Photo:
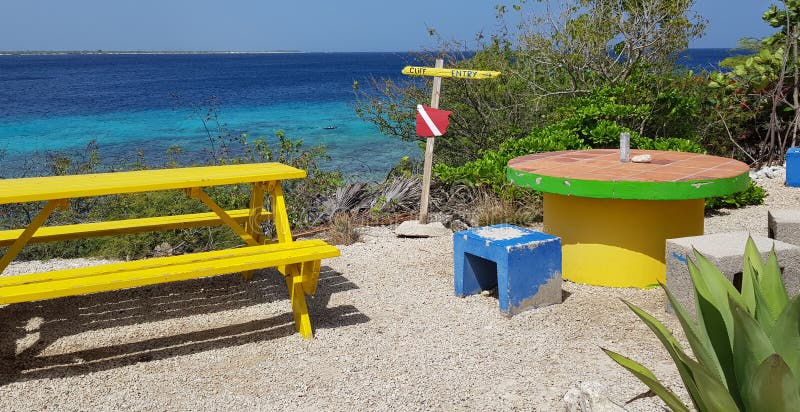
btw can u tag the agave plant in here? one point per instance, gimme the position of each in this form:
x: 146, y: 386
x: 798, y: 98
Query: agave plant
x: 746, y: 344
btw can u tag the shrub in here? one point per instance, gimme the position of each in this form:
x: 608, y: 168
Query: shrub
x: 343, y: 230
x: 490, y: 170
x: 595, y: 121
x: 746, y: 344
x: 753, y: 195
x: 492, y: 209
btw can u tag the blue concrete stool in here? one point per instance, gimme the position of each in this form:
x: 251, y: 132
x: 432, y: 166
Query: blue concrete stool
x: 523, y: 264
x: 793, y: 167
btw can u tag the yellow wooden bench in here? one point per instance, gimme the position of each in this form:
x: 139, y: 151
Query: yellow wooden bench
x: 299, y: 261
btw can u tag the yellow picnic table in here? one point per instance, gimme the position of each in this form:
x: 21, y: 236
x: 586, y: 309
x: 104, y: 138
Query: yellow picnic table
x: 299, y: 261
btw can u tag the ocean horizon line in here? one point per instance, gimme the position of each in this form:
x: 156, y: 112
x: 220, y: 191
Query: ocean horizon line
x: 145, y: 52
x: 217, y: 52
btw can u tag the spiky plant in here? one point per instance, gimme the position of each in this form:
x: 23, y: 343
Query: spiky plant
x: 746, y: 344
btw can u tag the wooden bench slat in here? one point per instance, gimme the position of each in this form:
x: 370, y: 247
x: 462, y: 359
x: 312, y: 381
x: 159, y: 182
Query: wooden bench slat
x: 32, y: 189
x: 173, y: 268
x: 66, y: 232
x: 153, y: 263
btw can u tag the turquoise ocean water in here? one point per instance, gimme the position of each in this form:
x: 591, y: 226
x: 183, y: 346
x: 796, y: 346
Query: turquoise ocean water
x: 355, y: 147
x: 126, y: 103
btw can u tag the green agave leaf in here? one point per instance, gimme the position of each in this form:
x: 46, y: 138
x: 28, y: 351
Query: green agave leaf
x: 714, y: 395
x: 750, y: 347
x: 773, y: 387
x: 673, y: 348
x: 647, y: 377
x: 772, y: 285
x: 785, y: 337
x: 712, y: 312
x: 752, y: 255
x: 701, y: 346
x: 763, y: 314
x: 717, y: 289
x: 749, y: 284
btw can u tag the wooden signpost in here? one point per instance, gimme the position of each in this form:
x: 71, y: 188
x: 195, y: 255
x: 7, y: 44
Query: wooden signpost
x: 454, y: 73
x: 438, y: 72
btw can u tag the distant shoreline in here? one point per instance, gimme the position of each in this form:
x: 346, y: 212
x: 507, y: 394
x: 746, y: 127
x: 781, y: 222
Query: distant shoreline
x: 220, y: 52
x: 118, y: 52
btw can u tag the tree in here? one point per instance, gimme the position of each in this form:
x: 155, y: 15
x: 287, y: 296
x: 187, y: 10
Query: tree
x: 603, y: 42
x: 786, y: 20
x: 556, y: 53
x: 762, y: 88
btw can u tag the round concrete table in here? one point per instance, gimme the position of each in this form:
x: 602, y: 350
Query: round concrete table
x: 613, y: 217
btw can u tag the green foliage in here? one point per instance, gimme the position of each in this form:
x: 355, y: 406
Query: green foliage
x: 485, y: 113
x: 670, y: 143
x: 745, y: 343
x: 404, y: 168
x: 571, y: 41
x: 753, y: 195
x: 595, y: 121
x: 758, y: 94
x: 546, y: 61
x: 756, y: 71
x: 490, y: 170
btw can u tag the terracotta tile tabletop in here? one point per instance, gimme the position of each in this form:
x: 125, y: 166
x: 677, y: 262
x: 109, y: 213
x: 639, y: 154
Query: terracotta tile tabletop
x: 599, y: 173
x: 604, y: 164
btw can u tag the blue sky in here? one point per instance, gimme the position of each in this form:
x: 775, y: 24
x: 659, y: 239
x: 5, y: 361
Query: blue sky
x: 307, y: 25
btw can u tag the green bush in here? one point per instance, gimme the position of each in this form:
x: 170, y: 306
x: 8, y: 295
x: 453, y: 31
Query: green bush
x: 592, y: 122
x: 746, y: 344
x: 490, y: 170
x: 753, y: 195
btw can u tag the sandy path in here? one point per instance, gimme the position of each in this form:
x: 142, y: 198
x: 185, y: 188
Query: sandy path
x: 390, y: 334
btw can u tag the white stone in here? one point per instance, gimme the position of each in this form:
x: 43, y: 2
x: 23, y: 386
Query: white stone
x: 645, y: 158
x: 412, y: 228
x: 769, y: 172
x: 589, y: 397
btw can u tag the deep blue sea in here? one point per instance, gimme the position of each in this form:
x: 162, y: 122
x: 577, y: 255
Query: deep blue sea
x: 149, y: 102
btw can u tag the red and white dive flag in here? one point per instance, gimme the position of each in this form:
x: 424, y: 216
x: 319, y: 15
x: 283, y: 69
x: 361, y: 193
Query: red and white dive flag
x: 431, y: 122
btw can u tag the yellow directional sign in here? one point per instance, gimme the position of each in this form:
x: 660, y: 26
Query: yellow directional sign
x: 457, y: 73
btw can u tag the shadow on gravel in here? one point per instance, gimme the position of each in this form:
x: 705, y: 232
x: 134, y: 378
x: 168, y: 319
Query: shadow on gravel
x: 37, y: 324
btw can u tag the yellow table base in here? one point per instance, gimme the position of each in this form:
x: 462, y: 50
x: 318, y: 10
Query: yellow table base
x: 618, y: 243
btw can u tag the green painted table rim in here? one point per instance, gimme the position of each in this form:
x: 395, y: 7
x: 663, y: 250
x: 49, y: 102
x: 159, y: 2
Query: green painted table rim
x: 630, y: 190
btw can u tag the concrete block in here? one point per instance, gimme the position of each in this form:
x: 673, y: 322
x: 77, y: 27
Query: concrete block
x: 793, y: 167
x: 523, y: 264
x: 784, y: 225
x: 726, y: 252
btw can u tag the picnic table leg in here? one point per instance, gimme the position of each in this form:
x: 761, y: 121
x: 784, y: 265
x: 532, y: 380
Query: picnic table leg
x: 310, y: 276
x: 302, y: 322
x: 294, y: 273
x: 279, y: 214
x: 253, y: 224
x: 27, y: 234
x: 281, y: 219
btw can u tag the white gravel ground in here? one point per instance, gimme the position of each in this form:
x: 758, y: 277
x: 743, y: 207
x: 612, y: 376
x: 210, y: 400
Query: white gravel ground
x: 390, y: 335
